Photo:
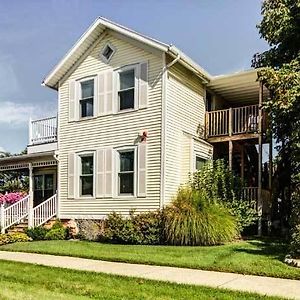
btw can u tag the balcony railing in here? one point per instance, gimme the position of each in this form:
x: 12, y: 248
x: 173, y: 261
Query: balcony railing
x: 43, y: 131
x: 231, y: 121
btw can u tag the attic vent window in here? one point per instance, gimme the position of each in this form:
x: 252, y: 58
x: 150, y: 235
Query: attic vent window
x: 107, y: 52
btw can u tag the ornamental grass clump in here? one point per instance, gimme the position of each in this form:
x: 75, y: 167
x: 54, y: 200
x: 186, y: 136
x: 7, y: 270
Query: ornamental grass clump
x: 192, y: 220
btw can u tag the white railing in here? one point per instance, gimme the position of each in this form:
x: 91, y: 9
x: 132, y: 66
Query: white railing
x: 45, y: 211
x: 14, y: 213
x: 43, y: 131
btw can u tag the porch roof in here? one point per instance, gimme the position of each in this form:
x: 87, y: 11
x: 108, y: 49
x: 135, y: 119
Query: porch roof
x: 23, y: 161
x: 238, y: 89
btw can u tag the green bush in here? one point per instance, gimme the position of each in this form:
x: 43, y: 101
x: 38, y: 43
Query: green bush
x: 295, y: 242
x: 13, y: 238
x: 217, y: 184
x: 193, y: 220
x: 56, y: 234
x: 37, y: 233
x: 144, y: 228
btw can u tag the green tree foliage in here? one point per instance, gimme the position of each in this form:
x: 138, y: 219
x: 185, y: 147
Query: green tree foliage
x: 280, y: 27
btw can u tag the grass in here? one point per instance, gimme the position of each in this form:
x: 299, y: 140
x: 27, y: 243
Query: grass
x: 257, y: 257
x: 25, y: 281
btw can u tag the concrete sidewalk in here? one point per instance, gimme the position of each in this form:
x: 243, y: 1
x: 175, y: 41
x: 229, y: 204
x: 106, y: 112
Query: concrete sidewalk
x: 285, y: 288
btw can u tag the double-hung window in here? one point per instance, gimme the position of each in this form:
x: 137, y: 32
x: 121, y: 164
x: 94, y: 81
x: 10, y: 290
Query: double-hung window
x: 126, y: 172
x: 87, y: 175
x: 86, y: 98
x: 127, y: 88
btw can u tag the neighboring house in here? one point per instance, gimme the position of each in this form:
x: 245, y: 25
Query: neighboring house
x: 135, y: 117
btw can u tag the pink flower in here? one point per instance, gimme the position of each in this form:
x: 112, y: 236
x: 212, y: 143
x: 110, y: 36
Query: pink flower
x: 11, y: 198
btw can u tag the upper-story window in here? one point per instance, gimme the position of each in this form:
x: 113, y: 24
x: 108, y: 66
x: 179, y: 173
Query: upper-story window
x: 127, y: 86
x: 86, y: 98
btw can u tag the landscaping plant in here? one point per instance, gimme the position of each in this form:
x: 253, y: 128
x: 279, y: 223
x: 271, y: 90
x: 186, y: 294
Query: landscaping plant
x: 218, y: 184
x: 193, y: 219
x: 10, y: 238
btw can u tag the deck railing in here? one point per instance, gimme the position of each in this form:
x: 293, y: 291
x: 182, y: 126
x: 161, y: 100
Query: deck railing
x: 43, y: 131
x: 231, y: 121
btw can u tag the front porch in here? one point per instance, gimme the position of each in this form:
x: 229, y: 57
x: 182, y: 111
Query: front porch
x: 40, y: 205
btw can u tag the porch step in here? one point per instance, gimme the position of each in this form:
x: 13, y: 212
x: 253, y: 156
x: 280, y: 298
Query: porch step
x: 18, y: 227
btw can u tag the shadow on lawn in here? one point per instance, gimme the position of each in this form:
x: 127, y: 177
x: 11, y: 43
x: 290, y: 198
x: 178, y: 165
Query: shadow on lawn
x: 266, y: 247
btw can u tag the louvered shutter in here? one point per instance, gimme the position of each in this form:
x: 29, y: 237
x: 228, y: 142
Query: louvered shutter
x: 100, y: 173
x: 143, y: 85
x: 71, y: 175
x: 72, y: 100
x: 108, y: 172
x: 142, y: 166
x: 105, y: 92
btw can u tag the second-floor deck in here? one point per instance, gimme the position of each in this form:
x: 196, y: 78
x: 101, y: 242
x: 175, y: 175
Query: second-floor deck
x: 237, y: 122
x: 43, y: 131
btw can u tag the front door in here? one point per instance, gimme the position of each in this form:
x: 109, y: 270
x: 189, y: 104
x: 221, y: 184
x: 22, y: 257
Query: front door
x: 44, y: 188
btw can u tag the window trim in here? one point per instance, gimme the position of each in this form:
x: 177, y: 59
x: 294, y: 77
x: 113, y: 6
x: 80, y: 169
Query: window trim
x: 117, y: 170
x: 113, y: 48
x: 78, y: 175
x: 78, y: 97
x: 196, y: 154
x: 134, y: 67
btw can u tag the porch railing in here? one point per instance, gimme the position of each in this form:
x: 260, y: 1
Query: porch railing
x: 14, y: 213
x: 43, y: 131
x: 231, y: 121
x: 45, y: 211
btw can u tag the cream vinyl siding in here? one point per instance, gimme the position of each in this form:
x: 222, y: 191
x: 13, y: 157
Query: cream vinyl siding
x: 112, y: 131
x: 185, y: 109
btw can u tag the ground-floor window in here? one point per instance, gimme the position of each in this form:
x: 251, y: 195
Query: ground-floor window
x: 87, y: 175
x: 126, y: 163
x: 199, y: 162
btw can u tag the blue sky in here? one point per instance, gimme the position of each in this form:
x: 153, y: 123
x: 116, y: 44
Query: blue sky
x: 219, y: 35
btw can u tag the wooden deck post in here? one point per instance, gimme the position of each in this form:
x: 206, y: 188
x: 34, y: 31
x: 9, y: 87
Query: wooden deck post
x: 230, y: 151
x: 260, y: 149
x: 242, y: 163
x: 30, y: 202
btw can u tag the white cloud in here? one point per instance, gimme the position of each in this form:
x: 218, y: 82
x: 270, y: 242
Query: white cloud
x: 2, y: 149
x: 16, y: 114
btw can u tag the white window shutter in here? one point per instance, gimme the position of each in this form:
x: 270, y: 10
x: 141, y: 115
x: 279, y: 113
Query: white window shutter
x: 109, y: 91
x: 143, y: 85
x: 101, y: 93
x: 105, y: 92
x: 108, y: 172
x: 72, y: 100
x: 100, y: 173
x: 71, y: 175
x: 142, y: 168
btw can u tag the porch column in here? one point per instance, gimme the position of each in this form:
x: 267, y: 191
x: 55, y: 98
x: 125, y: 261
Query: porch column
x: 230, y: 150
x: 30, y: 203
x: 260, y: 149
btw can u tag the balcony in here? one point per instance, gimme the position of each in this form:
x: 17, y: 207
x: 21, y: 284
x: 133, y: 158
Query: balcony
x: 232, y: 123
x: 42, y: 135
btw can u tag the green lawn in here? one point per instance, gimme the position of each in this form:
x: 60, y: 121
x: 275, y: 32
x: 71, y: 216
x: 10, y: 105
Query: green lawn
x: 25, y: 281
x: 246, y: 257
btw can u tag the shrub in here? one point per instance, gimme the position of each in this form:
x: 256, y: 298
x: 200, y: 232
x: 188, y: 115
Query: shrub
x: 193, y: 220
x: 295, y: 242
x: 37, y: 233
x: 144, y: 228
x: 90, y: 230
x: 13, y: 238
x: 56, y: 234
x: 218, y: 184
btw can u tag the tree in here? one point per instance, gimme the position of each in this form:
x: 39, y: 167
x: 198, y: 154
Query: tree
x: 280, y: 27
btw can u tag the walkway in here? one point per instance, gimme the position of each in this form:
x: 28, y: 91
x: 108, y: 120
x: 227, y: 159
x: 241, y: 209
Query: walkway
x: 256, y: 284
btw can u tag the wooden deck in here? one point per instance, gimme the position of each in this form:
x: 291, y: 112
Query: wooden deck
x: 237, y: 123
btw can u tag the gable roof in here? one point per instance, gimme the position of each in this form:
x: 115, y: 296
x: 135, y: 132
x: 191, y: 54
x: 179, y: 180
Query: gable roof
x: 92, y: 34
